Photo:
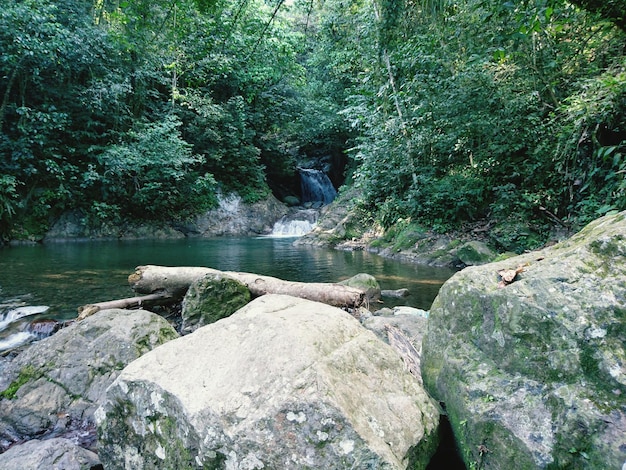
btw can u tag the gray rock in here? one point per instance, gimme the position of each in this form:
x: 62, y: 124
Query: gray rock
x: 291, y: 201
x: 51, y: 454
x: 395, y: 294
x: 533, y: 374
x: 53, y: 387
x: 404, y: 310
x: 231, y: 217
x: 76, y: 225
x: 282, y: 383
x: 384, y: 312
x: 235, y: 217
x: 412, y: 326
x: 210, y: 298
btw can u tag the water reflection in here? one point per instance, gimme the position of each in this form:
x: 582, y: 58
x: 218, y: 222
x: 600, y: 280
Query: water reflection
x: 67, y: 275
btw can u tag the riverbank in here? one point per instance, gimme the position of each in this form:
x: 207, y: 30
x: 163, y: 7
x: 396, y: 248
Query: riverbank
x: 343, y: 225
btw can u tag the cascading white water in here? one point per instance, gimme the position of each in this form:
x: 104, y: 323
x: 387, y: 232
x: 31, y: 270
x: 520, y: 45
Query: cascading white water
x: 15, y: 340
x: 15, y: 314
x: 291, y: 228
x: 10, y: 336
x: 296, y: 224
x: 316, y: 186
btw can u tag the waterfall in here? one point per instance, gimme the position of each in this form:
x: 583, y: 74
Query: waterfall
x: 291, y: 228
x: 296, y: 224
x: 316, y: 186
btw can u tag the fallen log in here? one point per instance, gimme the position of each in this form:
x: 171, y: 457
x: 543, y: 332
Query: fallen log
x: 158, y: 298
x: 176, y: 280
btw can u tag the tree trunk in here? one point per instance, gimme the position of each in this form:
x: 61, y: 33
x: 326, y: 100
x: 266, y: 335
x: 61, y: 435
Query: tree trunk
x: 7, y: 92
x: 174, y: 281
x: 131, y: 302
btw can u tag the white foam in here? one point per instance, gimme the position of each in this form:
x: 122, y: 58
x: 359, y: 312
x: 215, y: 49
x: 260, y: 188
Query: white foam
x: 15, y: 340
x: 20, y: 312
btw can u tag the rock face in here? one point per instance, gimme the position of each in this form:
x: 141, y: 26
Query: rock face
x: 282, y: 383
x: 75, y: 225
x: 53, y: 388
x: 231, y: 217
x: 234, y: 217
x: 56, y: 453
x: 533, y: 374
x: 210, y: 298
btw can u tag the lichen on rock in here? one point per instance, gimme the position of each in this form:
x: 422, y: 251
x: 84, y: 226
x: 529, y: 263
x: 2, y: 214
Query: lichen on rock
x: 534, y: 373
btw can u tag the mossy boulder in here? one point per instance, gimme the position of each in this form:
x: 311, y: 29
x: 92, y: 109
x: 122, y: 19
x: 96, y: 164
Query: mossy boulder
x: 291, y: 201
x: 211, y: 298
x: 365, y: 282
x: 282, y: 383
x: 474, y: 253
x: 533, y: 372
x: 55, y: 385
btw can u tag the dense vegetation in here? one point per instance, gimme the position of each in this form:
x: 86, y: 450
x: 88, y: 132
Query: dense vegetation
x: 510, y: 114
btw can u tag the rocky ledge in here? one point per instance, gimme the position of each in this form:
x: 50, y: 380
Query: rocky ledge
x: 231, y: 217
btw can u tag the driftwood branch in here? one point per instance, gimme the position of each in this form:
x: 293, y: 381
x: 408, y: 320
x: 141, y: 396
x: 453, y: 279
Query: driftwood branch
x: 131, y: 302
x: 176, y: 280
x: 404, y: 347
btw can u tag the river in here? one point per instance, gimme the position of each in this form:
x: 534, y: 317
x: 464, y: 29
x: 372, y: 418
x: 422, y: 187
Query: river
x: 64, y: 276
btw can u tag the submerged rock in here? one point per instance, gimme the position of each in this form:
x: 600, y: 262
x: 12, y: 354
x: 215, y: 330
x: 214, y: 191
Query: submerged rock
x: 282, y: 383
x: 395, y: 294
x: 533, y: 373
x: 53, y: 387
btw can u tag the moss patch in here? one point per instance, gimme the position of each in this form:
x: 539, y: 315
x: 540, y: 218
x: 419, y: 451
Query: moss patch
x: 27, y: 374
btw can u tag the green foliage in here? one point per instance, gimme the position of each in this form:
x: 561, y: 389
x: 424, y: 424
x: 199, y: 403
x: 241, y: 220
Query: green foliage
x: 508, y: 111
x: 404, y: 234
x: 89, y: 94
x: 8, y: 202
x: 594, y: 143
x: 455, y: 111
x: 151, y: 175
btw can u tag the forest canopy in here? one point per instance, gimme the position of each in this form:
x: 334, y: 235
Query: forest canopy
x: 447, y: 113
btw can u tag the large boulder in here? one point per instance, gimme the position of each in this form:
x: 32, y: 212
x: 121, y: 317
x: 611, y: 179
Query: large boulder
x: 282, y: 383
x: 53, y: 388
x: 210, y: 298
x: 56, y: 453
x: 532, y: 367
